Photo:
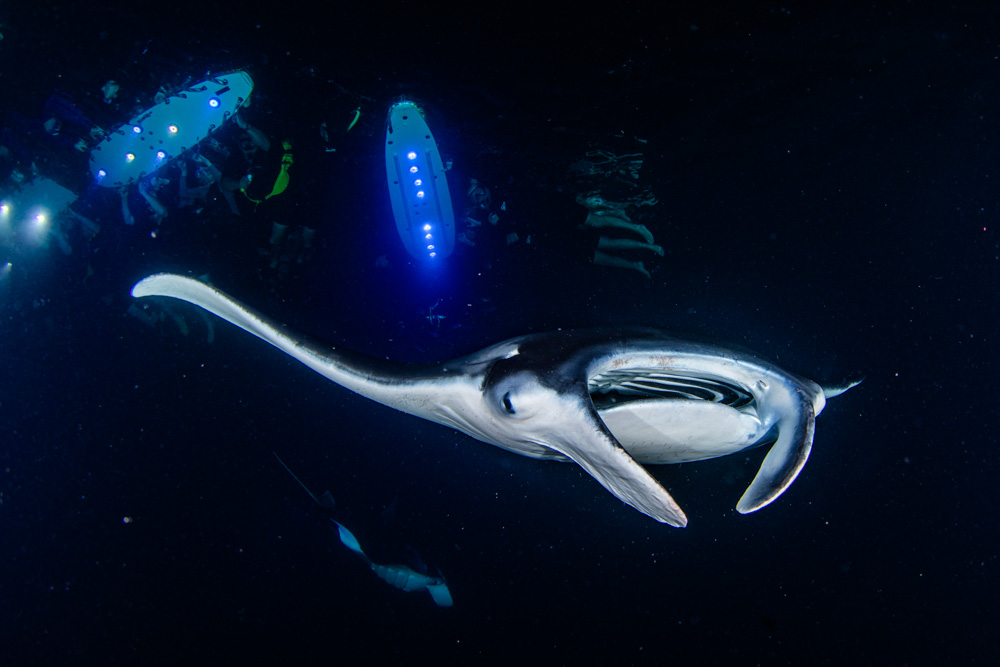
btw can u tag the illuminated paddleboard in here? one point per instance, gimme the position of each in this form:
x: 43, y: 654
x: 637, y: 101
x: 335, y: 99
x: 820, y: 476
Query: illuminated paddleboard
x: 163, y: 132
x: 418, y: 187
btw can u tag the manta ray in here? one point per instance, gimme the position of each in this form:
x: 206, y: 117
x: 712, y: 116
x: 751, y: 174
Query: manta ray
x: 607, y: 399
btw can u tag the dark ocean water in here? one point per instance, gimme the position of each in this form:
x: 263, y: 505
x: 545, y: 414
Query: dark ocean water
x: 826, y: 185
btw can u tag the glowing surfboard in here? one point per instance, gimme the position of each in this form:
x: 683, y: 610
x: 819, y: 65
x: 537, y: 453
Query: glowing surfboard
x: 418, y: 188
x: 163, y: 132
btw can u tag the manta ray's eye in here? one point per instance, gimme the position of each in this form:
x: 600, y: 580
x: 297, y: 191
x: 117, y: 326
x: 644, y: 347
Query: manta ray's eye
x: 507, y: 405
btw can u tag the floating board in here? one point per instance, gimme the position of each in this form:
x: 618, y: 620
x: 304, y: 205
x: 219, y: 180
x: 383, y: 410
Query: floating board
x: 163, y: 132
x: 418, y: 187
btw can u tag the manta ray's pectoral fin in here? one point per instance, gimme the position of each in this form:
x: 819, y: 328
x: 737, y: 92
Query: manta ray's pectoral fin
x: 595, y: 449
x: 786, y: 459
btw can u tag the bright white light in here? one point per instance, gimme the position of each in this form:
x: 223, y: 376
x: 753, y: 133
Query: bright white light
x: 430, y: 246
x: 428, y: 237
x: 137, y: 129
x: 411, y: 155
x: 214, y: 102
x: 129, y: 157
x: 420, y: 194
x: 172, y: 129
x: 101, y: 173
x: 427, y: 228
x: 160, y: 155
x: 37, y: 225
x: 433, y: 254
x: 413, y: 170
x: 418, y: 182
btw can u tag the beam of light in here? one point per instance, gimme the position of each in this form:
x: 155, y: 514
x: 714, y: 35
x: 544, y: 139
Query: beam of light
x: 37, y: 225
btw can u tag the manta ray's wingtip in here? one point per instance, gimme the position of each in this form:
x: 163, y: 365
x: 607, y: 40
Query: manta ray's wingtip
x: 152, y: 284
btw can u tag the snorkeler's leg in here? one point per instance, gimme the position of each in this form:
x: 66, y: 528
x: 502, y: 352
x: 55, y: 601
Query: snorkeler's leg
x: 597, y: 220
x: 605, y: 259
x: 126, y: 213
x: 604, y: 243
x: 278, y: 233
x: 305, y: 250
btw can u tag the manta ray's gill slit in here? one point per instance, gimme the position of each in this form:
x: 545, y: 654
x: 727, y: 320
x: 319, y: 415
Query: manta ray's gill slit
x: 616, y: 386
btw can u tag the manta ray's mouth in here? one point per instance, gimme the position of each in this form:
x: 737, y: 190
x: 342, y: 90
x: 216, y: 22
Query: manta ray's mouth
x: 620, y: 386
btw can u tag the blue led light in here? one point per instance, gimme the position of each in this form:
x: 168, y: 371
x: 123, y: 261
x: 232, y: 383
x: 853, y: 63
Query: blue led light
x: 413, y: 170
x: 137, y: 129
x: 214, y: 102
x: 427, y: 228
x: 160, y: 155
x: 411, y: 155
x: 418, y: 182
x: 420, y: 194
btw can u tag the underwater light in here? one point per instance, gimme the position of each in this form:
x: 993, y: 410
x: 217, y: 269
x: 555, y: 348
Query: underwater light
x: 427, y: 228
x: 101, y: 173
x: 129, y: 157
x: 430, y: 246
x: 38, y: 225
x: 214, y: 102
x: 420, y: 194
x: 160, y: 155
x: 413, y: 170
x: 172, y: 129
x: 428, y: 237
x: 137, y: 129
x: 434, y: 254
x: 418, y: 182
x: 411, y: 155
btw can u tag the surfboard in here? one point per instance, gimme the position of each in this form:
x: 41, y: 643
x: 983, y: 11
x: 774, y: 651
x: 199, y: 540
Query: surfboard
x: 418, y: 187
x: 161, y: 133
